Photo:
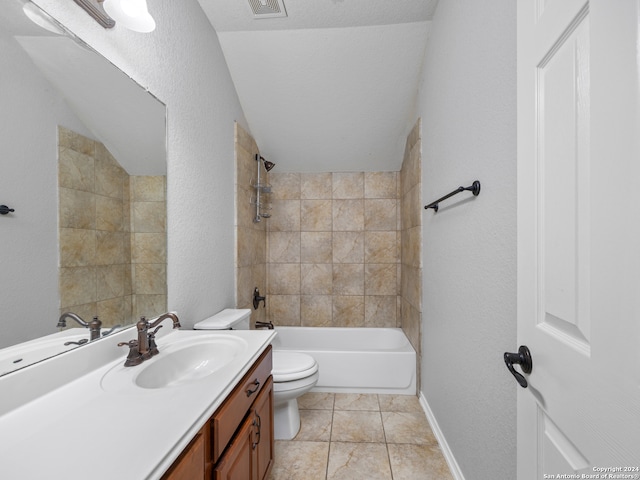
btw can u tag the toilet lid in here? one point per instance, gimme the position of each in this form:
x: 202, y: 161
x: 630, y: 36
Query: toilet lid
x: 289, y: 366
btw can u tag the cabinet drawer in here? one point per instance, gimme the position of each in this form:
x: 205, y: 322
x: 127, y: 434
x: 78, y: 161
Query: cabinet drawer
x: 228, y: 417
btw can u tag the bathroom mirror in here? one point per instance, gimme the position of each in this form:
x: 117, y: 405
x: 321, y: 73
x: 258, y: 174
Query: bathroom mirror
x: 83, y: 165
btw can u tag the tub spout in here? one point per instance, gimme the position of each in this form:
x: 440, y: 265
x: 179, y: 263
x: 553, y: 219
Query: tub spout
x: 268, y: 325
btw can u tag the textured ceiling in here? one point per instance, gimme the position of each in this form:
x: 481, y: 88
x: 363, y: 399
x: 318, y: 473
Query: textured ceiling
x: 331, y: 86
x: 236, y: 15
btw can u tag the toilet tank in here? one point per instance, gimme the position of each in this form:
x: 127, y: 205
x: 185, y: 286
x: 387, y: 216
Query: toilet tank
x: 227, y: 319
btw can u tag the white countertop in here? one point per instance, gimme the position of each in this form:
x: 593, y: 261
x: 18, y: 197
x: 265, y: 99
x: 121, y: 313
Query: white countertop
x: 81, y: 430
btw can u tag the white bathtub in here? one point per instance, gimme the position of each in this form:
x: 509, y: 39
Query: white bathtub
x: 355, y: 360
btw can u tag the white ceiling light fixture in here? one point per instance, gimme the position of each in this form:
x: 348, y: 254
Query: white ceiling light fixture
x: 132, y: 14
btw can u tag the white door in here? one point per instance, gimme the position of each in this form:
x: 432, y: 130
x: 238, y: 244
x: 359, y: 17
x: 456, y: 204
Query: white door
x: 579, y: 238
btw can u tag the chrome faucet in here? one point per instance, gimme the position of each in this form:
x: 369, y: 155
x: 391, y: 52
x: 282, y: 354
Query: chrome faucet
x: 93, y: 326
x: 144, y: 347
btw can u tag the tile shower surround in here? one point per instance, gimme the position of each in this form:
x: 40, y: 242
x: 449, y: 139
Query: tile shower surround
x: 251, y: 238
x: 411, y: 240
x: 112, y: 235
x: 340, y: 249
x: 333, y: 254
x: 344, y: 249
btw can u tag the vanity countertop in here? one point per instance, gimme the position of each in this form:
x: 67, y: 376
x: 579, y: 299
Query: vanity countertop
x: 82, y: 429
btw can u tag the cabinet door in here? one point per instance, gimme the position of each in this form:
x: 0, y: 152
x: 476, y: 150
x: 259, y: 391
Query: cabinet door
x: 263, y: 413
x: 238, y: 462
x: 190, y: 465
x: 225, y: 422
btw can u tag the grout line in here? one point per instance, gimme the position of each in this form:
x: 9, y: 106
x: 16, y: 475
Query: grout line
x: 326, y: 472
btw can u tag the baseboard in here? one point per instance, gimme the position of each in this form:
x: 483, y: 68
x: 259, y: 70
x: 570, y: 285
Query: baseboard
x: 444, y: 446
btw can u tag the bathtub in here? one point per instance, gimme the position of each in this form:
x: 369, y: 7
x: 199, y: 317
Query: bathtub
x: 355, y: 360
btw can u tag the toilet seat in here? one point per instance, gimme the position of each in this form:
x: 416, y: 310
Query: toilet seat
x: 290, y: 366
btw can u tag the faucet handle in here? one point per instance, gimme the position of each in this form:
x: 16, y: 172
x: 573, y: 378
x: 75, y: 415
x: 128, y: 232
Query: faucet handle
x: 110, y: 331
x: 153, y: 347
x: 134, y: 358
x: 155, y: 331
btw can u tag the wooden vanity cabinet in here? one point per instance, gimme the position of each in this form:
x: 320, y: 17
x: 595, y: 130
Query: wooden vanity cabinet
x: 237, y: 442
x: 249, y: 456
x: 190, y: 463
x: 263, y: 408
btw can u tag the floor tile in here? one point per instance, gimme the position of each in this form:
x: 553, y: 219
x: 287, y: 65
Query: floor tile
x: 342, y: 437
x: 315, y: 425
x: 357, y: 426
x: 300, y: 461
x: 368, y: 461
x: 316, y: 401
x: 399, y: 403
x: 407, y: 427
x: 356, y: 401
x: 418, y: 462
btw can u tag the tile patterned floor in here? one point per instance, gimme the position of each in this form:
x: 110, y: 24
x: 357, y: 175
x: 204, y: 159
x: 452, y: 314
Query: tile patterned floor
x: 354, y: 437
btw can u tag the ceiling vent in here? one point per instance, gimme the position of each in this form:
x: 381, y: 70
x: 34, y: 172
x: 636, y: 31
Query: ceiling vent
x: 268, y: 8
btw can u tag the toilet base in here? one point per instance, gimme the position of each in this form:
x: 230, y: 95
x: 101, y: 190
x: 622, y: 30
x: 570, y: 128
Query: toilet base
x: 286, y: 417
x: 286, y: 420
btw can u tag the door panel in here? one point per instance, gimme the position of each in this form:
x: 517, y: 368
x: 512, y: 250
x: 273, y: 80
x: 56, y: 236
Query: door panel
x: 578, y: 235
x: 559, y: 454
x: 563, y: 190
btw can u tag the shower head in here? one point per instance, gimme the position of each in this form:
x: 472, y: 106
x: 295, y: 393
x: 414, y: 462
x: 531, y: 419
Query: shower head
x: 267, y: 164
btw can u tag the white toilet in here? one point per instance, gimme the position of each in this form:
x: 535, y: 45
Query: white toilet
x: 294, y: 373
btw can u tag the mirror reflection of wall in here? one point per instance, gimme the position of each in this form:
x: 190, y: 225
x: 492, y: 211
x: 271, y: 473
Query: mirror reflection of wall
x: 51, y: 82
x: 112, y: 235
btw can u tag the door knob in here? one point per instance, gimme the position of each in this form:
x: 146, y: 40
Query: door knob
x: 523, y: 358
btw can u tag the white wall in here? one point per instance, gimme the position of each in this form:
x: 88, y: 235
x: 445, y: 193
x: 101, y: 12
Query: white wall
x: 182, y: 64
x: 467, y: 102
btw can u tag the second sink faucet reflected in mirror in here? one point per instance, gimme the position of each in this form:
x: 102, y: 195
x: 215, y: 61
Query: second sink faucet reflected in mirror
x: 93, y: 326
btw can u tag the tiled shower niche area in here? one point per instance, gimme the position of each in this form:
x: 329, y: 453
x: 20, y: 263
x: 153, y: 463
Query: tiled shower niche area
x: 112, y: 235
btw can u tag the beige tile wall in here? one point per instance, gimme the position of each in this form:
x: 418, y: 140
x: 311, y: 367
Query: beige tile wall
x: 411, y: 239
x: 251, y: 237
x: 333, y: 249
x: 112, y: 235
x: 340, y: 249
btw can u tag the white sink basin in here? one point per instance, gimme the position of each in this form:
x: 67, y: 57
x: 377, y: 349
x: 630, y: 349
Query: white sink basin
x: 180, y: 362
